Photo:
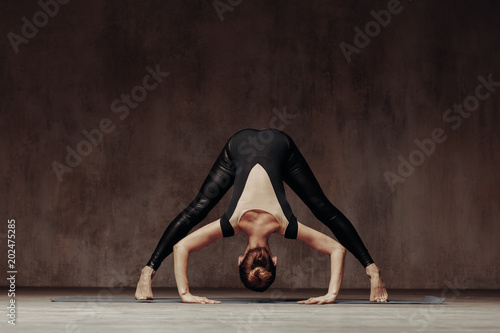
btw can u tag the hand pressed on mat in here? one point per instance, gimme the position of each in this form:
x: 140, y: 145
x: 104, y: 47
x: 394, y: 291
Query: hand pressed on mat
x: 189, y: 298
x: 326, y: 299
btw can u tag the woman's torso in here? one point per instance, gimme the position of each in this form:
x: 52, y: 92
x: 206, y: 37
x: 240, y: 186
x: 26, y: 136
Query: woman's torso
x: 259, y: 157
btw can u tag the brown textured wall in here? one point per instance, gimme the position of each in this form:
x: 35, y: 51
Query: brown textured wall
x: 352, y: 120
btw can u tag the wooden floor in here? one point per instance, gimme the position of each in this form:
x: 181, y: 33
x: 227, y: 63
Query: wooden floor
x: 464, y: 311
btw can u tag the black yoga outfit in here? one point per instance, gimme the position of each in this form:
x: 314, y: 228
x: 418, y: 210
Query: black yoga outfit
x: 248, y: 152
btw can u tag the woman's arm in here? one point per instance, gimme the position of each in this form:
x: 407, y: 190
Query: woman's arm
x: 191, y: 243
x: 326, y: 245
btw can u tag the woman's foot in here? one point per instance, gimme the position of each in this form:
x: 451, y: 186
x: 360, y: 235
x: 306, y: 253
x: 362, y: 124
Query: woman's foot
x: 378, y: 292
x: 144, y: 290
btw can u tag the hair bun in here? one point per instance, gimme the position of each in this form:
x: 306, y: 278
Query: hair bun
x: 260, y: 273
x: 255, y: 272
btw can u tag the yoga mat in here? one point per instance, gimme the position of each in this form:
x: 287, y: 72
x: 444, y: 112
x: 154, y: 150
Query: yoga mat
x: 425, y: 300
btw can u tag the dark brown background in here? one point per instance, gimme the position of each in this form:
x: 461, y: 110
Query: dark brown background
x: 100, y: 224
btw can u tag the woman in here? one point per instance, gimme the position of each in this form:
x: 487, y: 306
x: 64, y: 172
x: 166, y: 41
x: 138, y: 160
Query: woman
x: 257, y: 162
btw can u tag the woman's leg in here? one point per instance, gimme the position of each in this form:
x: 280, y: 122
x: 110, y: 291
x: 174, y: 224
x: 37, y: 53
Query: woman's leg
x: 302, y: 181
x: 217, y: 183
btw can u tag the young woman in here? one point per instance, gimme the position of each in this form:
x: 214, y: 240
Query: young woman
x: 257, y: 162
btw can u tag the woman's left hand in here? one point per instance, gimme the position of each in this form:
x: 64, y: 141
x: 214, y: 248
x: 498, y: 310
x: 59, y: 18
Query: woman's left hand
x: 326, y: 299
x: 189, y: 298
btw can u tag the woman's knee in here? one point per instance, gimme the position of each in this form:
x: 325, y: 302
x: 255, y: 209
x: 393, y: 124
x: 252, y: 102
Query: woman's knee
x: 323, y: 209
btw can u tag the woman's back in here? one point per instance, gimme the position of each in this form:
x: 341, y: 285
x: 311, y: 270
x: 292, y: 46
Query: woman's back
x: 258, y: 157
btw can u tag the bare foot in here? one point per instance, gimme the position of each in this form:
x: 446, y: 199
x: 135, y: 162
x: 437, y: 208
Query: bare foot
x: 144, y: 290
x: 378, y: 292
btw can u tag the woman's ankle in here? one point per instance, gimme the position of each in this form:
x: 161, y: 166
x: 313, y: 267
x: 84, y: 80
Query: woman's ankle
x: 372, y: 270
x: 147, y: 272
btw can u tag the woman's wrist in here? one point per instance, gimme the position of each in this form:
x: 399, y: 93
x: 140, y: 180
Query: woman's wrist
x: 184, y: 293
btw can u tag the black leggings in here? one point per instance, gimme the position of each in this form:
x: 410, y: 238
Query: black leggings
x: 296, y: 173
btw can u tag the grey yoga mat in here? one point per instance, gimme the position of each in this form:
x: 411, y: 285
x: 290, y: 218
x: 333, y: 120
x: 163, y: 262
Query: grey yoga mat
x: 425, y: 300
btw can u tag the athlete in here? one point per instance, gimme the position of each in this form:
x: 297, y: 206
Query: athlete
x: 257, y: 162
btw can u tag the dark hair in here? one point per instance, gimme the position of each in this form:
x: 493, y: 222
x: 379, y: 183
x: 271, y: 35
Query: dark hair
x: 257, y: 270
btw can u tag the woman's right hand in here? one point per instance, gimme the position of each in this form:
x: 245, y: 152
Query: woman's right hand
x: 189, y: 298
x: 326, y: 299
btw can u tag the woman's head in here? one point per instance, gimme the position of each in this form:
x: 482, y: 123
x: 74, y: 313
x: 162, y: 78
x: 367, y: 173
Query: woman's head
x: 257, y: 269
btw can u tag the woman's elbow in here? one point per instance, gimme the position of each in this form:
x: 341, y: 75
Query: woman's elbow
x: 179, y: 247
x: 338, y: 249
